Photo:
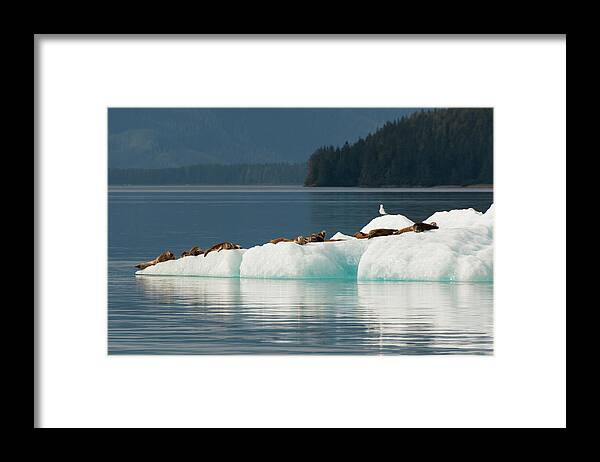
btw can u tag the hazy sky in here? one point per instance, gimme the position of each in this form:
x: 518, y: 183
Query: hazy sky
x: 145, y: 137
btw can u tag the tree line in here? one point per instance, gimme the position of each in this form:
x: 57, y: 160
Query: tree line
x: 426, y: 148
x: 212, y: 174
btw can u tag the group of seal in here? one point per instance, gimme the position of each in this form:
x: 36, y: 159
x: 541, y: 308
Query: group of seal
x: 379, y: 232
x: 193, y: 252
x: 222, y: 246
x: 300, y: 240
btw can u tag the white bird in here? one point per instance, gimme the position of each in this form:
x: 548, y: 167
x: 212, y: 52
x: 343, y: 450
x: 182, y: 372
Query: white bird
x: 382, y: 210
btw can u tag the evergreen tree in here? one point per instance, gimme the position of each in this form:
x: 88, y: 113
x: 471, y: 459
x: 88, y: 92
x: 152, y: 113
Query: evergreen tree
x: 425, y: 148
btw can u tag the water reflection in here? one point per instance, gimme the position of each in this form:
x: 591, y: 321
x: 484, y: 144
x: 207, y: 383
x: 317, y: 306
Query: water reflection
x: 187, y: 315
x: 429, y: 317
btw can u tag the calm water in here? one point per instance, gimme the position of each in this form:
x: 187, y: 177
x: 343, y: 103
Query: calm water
x: 193, y: 315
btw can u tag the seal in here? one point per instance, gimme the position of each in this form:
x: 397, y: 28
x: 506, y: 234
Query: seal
x: 165, y: 256
x: 420, y: 227
x: 301, y: 240
x: 317, y: 237
x: 360, y: 235
x: 193, y: 252
x: 381, y: 232
x: 222, y: 246
x: 277, y: 240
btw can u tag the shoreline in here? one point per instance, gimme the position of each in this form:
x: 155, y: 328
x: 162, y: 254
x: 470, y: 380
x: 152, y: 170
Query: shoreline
x: 299, y: 186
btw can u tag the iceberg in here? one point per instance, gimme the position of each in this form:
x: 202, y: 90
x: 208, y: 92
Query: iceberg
x: 452, y: 254
x: 461, y: 250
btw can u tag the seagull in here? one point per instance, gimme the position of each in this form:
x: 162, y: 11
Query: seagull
x: 382, y: 210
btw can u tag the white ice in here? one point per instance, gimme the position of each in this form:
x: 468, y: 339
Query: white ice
x: 342, y: 236
x: 388, y: 222
x: 314, y: 260
x: 460, y: 250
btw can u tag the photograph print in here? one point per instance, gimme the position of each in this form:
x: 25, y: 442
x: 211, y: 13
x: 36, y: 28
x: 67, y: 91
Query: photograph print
x: 311, y: 231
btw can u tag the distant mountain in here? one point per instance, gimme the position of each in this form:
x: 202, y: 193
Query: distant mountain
x: 425, y: 148
x: 168, y: 138
x: 209, y: 174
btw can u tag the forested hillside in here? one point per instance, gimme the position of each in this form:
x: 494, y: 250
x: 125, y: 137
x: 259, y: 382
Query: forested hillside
x: 426, y: 148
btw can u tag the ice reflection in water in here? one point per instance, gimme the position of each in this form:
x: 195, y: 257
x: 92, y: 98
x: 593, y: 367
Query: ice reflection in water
x: 187, y: 315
